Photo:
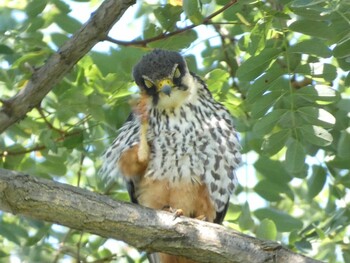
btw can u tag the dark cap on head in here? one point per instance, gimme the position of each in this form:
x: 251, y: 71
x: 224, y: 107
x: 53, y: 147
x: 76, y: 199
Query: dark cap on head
x: 157, y: 65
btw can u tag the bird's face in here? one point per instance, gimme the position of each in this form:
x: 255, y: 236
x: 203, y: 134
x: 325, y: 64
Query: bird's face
x: 164, y: 77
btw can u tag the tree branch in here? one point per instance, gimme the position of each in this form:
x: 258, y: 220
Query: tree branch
x: 45, y: 78
x: 165, y: 35
x: 144, y: 228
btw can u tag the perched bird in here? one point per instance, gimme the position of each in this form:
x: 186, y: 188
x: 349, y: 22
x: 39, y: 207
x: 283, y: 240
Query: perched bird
x: 178, y: 149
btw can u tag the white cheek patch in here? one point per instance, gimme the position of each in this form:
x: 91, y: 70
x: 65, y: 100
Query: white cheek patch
x: 178, y: 96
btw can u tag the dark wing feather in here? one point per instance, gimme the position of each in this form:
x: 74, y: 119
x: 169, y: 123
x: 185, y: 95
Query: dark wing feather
x: 221, y: 215
x: 131, y: 190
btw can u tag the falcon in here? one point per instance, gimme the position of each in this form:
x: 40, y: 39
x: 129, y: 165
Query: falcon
x: 178, y: 149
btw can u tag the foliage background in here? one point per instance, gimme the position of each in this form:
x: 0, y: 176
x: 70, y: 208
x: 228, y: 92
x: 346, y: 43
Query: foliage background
x: 280, y: 67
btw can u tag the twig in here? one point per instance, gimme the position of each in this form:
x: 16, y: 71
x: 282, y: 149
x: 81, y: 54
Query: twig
x: 165, y: 35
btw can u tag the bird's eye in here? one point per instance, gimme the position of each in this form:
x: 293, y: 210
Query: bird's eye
x: 148, y: 83
x: 177, y: 73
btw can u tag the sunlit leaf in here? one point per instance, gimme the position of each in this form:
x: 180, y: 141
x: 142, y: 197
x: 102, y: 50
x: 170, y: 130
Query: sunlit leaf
x: 168, y: 15
x: 317, y: 116
x: 267, y: 230
x: 35, y: 7
x: 192, y: 11
x: 261, y: 84
x: 317, y: 93
x: 312, y: 47
x: 316, y: 135
x: 283, y: 221
x: 275, y: 142
x: 342, y: 50
x: 254, y: 66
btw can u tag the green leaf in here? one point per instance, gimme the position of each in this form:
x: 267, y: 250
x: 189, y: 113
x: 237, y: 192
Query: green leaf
x: 67, y: 23
x: 4, y: 49
x: 283, y: 221
x: 305, y: 3
x: 329, y: 72
x: 301, y: 173
x: 192, y: 11
x: 267, y: 230
x: 268, y: 122
x: 62, y: 6
x: 316, y: 116
x: 272, y: 170
x: 168, y: 15
x: 12, y: 232
x: 264, y: 82
x: 275, y: 142
x: 53, y: 165
x: 258, y: 36
x: 32, y: 58
x: 342, y: 49
x: 318, y: 93
x: 216, y: 79
x: 314, y: 28
x: 269, y: 190
x: 343, y: 148
x: 316, y: 181
x: 316, y: 135
x: 303, y: 245
x: 35, y: 7
x: 59, y: 39
x: 233, y: 212
x: 313, y: 47
x: 255, y: 66
x: 265, y: 103
x: 295, y: 156
x: 324, y: 71
x: 245, y: 221
x: 74, y: 140
x: 179, y: 41
x: 43, y: 231
x: 36, y: 24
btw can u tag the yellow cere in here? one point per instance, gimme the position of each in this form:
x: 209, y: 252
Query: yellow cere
x: 164, y: 82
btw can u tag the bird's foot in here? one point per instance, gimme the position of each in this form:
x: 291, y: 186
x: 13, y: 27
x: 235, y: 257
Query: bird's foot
x: 176, y: 212
x: 202, y: 217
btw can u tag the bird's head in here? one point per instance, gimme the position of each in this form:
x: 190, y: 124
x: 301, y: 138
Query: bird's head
x: 163, y: 75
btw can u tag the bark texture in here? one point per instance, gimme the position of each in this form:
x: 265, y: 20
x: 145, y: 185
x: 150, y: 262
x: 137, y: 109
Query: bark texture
x: 143, y: 228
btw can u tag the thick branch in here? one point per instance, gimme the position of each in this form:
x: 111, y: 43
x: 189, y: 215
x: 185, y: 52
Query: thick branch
x: 45, y: 78
x: 144, y: 228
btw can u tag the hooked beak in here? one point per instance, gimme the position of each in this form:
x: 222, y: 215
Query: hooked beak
x: 166, y: 90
